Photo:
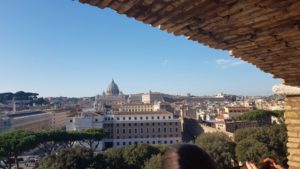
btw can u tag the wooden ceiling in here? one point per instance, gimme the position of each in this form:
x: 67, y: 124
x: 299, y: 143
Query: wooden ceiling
x: 265, y: 33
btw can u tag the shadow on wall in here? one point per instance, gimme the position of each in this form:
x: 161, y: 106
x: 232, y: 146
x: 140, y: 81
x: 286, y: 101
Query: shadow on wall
x: 191, y: 130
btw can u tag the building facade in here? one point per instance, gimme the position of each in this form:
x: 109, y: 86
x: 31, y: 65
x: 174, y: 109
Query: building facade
x: 31, y: 121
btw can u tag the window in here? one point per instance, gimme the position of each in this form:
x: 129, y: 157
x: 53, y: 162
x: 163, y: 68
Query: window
x: 176, y: 129
x: 165, y: 130
x: 142, y: 130
x: 123, y: 118
x: 141, y: 118
x: 141, y: 124
x: 124, y: 143
x: 169, y: 117
x: 129, y: 131
x: 135, y: 130
x: 170, y: 129
x: 171, y: 141
x: 147, y: 130
x: 129, y: 118
x: 152, y: 117
x: 153, y: 130
x: 129, y: 124
x: 135, y: 118
x: 164, y: 117
x: 118, y: 137
x: 96, y: 120
x: 123, y: 124
x: 117, y: 131
x: 165, y: 142
x: 135, y: 124
x: 124, y: 131
x: 146, y: 117
x: 117, y: 125
x: 152, y: 124
x: 118, y: 118
x: 171, y: 123
x: 71, y: 121
x: 157, y: 117
x: 118, y: 143
x: 158, y: 129
x: 129, y: 143
x: 153, y: 142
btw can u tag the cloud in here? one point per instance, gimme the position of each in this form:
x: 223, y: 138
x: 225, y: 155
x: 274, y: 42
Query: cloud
x: 226, y: 63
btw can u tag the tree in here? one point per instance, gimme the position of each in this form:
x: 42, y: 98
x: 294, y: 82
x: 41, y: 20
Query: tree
x: 134, y: 156
x: 251, y: 149
x: 51, y: 140
x: 273, y: 137
x: 153, y: 163
x: 260, y: 115
x: 74, y: 158
x: 219, y: 147
x: 91, y: 137
x: 12, y: 144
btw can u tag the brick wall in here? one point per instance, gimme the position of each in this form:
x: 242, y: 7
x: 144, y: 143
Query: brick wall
x: 292, y: 119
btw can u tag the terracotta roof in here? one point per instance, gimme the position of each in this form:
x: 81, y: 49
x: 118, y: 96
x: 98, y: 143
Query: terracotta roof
x: 264, y: 33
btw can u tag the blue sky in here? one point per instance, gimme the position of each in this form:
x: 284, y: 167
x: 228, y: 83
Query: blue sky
x: 65, y: 48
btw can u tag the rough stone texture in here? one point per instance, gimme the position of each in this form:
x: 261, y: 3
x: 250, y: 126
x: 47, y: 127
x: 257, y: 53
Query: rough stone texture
x: 264, y: 33
x: 286, y: 90
x: 292, y: 120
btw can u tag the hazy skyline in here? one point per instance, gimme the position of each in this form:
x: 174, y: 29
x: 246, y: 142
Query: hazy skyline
x: 65, y: 48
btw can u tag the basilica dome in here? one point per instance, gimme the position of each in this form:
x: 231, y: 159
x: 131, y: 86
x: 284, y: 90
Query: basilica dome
x: 112, y: 89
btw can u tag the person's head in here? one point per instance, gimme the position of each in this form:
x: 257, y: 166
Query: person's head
x: 187, y: 156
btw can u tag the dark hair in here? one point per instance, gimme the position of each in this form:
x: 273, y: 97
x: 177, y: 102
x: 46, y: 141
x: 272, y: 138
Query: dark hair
x: 187, y: 156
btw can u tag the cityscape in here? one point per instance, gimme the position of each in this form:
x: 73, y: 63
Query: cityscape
x: 151, y: 118
x: 150, y: 84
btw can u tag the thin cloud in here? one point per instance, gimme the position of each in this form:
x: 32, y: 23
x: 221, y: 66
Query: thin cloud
x: 226, y: 63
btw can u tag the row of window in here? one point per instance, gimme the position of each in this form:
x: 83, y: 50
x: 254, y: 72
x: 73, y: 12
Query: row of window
x: 140, y: 124
x: 136, y: 118
x: 147, y: 136
x: 141, y: 130
x: 145, y: 142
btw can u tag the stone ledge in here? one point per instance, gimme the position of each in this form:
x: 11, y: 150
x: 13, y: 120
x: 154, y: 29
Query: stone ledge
x: 286, y: 90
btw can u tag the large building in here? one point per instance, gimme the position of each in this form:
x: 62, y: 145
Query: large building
x: 59, y: 118
x: 232, y: 126
x: 32, y: 121
x: 112, y: 96
x: 128, y: 128
x: 234, y: 111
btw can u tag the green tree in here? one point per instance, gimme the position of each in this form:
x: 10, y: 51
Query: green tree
x: 12, y: 144
x: 74, y: 158
x: 260, y: 115
x: 91, y: 137
x: 134, y: 156
x: 273, y: 137
x: 251, y: 149
x: 153, y: 163
x: 219, y: 146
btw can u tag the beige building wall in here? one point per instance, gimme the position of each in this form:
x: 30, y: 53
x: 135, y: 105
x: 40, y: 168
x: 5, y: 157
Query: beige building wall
x: 59, y: 118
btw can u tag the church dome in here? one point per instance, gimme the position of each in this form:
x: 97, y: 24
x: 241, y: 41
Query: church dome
x: 112, y: 89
